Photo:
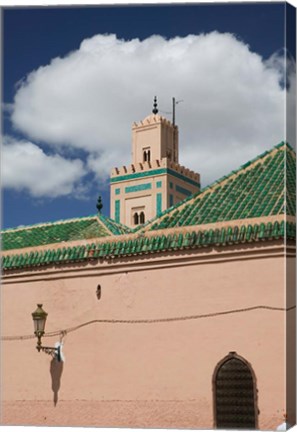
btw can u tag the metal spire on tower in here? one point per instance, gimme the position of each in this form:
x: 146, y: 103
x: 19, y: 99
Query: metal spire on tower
x: 99, y: 204
x: 155, y: 109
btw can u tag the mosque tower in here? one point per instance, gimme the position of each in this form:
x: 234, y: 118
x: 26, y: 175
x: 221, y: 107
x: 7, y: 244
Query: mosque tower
x: 155, y: 180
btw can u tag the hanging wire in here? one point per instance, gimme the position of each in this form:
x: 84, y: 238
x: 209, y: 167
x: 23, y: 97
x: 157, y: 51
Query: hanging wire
x: 63, y: 333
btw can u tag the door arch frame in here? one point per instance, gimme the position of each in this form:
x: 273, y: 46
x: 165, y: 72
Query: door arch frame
x: 231, y: 355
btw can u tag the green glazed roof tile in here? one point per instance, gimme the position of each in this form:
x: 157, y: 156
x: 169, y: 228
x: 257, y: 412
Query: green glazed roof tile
x: 61, y: 231
x: 115, y: 227
x: 196, y: 239
x: 256, y: 189
x: 262, y: 187
x: 55, y: 232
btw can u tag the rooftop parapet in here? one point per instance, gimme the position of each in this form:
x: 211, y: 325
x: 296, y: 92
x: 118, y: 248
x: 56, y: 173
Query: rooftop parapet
x: 152, y: 119
x: 167, y: 163
x: 155, y: 164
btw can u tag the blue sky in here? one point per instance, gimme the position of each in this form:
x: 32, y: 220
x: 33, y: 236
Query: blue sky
x: 54, y: 115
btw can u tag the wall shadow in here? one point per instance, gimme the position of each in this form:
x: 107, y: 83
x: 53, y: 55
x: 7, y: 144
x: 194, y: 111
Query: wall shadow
x: 56, y: 370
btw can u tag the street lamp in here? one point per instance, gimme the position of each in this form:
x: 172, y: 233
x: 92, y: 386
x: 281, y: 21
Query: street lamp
x: 39, y: 318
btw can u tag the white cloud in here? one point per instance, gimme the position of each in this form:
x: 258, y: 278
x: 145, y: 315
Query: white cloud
x: 26, y: 167
x: 291, y: 102
x: 233, y: 105
x: 291, y: 113
x: 7, y: 107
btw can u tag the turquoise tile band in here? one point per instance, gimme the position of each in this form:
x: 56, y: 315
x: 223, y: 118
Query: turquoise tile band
x: 159, y: 203
x: 117, y: 210
x: 137, y: 188
x: 183, y: 190
x: 159, y: 171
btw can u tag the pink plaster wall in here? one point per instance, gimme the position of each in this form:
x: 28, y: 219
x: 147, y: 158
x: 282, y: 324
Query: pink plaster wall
x: 155, y: 375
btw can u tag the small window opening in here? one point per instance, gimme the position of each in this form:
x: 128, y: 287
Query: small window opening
x: 141, y: 218
x: 136, y: 219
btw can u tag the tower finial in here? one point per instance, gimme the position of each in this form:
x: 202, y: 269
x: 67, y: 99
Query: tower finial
x: 155, y: 109
x: 99, y: 204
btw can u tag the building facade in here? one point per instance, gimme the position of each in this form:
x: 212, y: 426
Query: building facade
x: 187, y: 321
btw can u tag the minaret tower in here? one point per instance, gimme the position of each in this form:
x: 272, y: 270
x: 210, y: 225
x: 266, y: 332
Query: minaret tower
x: 155, y: 180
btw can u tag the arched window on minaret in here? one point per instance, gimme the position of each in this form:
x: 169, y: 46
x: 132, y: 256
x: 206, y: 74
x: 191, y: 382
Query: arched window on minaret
x: 144, y: 156
x: 135, y: 219
x: 141, y: 218
x: 149, y: 156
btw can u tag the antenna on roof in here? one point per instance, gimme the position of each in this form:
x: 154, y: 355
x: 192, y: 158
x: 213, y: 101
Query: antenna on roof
x: 155, y: 109
x: 174, y: 103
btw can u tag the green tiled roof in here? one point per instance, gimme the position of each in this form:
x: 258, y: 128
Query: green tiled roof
x: 55, y: 232
x: 144, y: 245
x: 115, y: 227
x: 256, y: 189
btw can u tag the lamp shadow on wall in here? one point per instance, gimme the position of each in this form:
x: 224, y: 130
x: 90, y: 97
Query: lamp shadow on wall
x: 56, y: 370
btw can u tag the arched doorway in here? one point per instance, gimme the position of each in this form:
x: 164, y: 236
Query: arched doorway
x: 235, y: 397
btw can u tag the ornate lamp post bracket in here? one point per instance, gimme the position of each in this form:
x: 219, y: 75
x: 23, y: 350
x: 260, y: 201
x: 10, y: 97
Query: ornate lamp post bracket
x: 39, y: 318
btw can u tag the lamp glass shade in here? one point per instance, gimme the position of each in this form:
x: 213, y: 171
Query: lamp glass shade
x: 39, y: 319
